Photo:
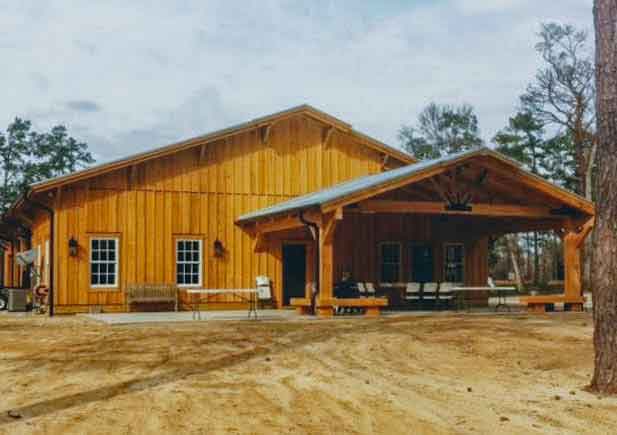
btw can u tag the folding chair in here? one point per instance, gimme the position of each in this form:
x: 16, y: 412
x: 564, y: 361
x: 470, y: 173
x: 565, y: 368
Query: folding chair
x: 445, y: 294
x: 412, y: 292
x: 429, y: 293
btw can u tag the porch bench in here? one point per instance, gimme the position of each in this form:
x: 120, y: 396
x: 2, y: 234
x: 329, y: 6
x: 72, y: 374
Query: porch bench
x: 371, y: 305
x: 543, y: 303
x: 302, y: 305
x: 151, y: 293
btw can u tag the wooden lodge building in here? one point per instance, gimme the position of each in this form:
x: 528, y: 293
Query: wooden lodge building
x: 298, y: 196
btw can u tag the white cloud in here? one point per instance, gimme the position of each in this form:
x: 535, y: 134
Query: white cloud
x: 162, y: 71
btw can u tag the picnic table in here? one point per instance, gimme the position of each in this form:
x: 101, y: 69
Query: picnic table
x: 196, y: 300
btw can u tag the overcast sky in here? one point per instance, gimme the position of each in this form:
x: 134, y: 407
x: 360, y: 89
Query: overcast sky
x: 126, y: 76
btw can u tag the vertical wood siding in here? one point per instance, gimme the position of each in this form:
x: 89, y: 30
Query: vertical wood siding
x: 196, y: 193
x: 358, y: 236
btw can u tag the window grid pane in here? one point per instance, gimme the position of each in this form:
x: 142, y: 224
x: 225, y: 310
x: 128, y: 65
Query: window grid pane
x: 103, y: 262
x: 390, y: 262
x: 188, y: 262
x: 455, y: 260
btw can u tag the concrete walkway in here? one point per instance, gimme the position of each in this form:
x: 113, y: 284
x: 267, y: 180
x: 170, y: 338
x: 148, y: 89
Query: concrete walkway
x: 187, y: 316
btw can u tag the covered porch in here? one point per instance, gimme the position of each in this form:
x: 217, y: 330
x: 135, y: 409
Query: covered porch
x: 429, y: 222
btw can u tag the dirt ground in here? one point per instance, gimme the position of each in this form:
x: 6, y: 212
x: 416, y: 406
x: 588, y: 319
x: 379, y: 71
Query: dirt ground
x: 438, y: 374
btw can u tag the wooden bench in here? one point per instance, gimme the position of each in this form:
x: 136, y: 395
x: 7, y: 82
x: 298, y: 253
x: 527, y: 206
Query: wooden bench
x: 372, y: 306
x: 544, y: 303
x: 151, y: 293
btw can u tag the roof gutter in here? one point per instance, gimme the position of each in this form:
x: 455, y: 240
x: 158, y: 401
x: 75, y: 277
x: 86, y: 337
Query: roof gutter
x: 50, y: 211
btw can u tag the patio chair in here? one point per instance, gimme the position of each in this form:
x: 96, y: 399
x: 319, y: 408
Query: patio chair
x: 370, y: 290
x: 445, y: 294
x: 429, y: 293
x: 412, y: 292
x: 361, y: 289
x: 264, y: 291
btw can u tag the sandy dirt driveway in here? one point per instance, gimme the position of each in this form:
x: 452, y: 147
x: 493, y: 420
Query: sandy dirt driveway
x: 436, y: 374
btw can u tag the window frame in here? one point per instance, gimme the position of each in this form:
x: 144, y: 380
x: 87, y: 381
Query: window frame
x: 116, y: 284
x: 381, y: 262
x: 200, y: 263
x: 445, y: 260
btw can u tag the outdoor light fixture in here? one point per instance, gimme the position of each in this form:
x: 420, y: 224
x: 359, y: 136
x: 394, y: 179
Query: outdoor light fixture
x: 73, y: 247
x: 219, y: 249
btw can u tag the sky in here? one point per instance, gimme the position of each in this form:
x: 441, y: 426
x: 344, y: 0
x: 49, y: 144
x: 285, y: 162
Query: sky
x: 127, y: 76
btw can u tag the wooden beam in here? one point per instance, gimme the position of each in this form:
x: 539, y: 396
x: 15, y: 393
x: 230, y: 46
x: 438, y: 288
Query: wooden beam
x: 330, y: 224
x: 326, y: 135
x: 429, y: 207
x: 278, y: 224
x: 439, y: 189
x: 202, y: 153
x: 371, y: 192
x: 260, y: 243
x: 265, y: 133
x: 282, y: 223
x: 133, y: 176
x: 584, y: 232
x: 538, y: 183
x: 384, y: 161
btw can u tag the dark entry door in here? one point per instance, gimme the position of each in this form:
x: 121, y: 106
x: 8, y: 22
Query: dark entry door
x: 422, y: 263
x: 294, y: 272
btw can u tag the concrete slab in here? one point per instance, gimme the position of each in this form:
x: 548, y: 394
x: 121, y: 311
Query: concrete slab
x: 187, y: 316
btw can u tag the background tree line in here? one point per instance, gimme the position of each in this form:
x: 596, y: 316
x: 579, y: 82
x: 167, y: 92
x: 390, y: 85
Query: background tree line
x: 27, y: 156
x: 551, y: 134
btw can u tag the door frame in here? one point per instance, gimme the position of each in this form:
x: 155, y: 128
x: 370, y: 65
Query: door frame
x: 310, y: 264
x: 410, y: 257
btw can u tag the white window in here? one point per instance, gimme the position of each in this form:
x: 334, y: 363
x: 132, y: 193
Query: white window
x: 188, y: 262
x: 104, y: 254
x: 390, y: 256
x: 454, y: 263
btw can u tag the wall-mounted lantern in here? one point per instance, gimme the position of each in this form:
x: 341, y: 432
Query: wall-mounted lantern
x: 219, y: 249
x: 73, y: 247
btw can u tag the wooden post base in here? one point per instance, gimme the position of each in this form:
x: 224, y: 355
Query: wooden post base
x: 372, y: 312
x: 539, y: 308
x: 325, y: 311
x: 303, y: 311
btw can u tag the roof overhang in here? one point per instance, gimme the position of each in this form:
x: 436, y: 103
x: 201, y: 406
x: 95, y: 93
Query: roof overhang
x: 364, y: 188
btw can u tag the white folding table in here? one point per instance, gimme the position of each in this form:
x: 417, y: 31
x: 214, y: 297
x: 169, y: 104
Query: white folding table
x: 196, y: 300
x: 500, y: 291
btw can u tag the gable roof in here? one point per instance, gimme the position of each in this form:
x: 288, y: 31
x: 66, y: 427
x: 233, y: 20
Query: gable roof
x: 304, y: 109
x: 349, y: 191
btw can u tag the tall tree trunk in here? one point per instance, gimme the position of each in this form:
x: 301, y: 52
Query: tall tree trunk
x: 605, y: 234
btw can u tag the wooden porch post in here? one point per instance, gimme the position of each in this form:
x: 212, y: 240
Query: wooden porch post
x: 572, y: 265
x: 326, y: 263
x: 326, y: 278
x: 572, y: 244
